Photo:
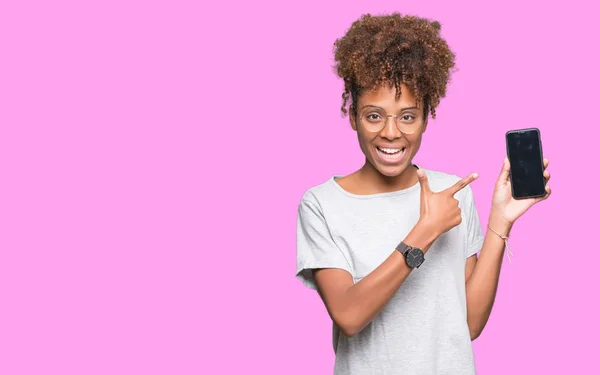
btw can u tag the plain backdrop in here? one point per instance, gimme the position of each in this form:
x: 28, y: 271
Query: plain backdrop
x: 153, y: 154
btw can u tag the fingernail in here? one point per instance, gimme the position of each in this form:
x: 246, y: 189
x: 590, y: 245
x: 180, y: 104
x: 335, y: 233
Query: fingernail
x: 475, y: 175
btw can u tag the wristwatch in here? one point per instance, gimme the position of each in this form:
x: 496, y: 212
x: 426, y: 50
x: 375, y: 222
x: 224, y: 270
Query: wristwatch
x: 414, y: 256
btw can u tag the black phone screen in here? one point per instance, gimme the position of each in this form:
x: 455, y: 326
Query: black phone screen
x: 525, y: 155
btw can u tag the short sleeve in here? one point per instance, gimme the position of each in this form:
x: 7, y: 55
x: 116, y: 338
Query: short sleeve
x: 474, y: 235
x: 315, y: 247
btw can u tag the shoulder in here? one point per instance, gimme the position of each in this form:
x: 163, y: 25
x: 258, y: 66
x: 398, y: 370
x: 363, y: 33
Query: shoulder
x: 317, y: 194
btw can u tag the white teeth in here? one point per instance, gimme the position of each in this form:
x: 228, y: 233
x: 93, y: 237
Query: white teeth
x: 390, y: 150
x: 391, y: 154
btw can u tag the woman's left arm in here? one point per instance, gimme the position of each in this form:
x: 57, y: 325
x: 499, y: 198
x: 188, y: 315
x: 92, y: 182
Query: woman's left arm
x: 482, y: 274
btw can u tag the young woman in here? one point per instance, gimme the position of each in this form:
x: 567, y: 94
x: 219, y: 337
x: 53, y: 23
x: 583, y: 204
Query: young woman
x: 392, y: 248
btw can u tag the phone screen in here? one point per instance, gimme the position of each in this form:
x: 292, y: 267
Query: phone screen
x: 525, y: 155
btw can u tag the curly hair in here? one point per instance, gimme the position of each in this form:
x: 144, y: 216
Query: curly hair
x: 394, y: 49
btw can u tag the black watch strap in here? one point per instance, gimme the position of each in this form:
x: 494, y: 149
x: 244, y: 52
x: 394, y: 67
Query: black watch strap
x: 403, y: 248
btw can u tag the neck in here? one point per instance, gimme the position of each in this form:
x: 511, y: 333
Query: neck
x: 385, y: 184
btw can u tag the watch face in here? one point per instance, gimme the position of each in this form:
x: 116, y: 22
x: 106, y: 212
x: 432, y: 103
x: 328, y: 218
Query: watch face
x: 415, y: 258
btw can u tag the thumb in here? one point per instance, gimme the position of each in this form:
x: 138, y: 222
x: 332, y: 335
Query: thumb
x: 423, y: 181
x: 504, y: 173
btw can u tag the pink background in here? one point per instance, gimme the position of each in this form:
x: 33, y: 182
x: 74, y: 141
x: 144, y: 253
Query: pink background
x: 152, y: 156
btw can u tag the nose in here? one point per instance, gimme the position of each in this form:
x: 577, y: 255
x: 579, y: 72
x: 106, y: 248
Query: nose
x: 390, y: 130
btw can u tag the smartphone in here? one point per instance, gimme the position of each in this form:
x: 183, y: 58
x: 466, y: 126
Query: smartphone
x: 524, y: 151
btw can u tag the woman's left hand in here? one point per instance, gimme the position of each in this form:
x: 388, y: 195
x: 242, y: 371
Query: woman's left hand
x: 504, y: 204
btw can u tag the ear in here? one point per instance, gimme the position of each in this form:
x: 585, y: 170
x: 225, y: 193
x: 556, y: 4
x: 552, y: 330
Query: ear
x: 425, y: 122
x: 426, y: 108
x: 352, y: 119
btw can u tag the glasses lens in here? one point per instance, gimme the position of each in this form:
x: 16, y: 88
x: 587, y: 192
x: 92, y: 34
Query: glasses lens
x: 373, y: 119
x: 408, y: 124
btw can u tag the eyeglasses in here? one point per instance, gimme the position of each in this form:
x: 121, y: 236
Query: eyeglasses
x: 374, y: 119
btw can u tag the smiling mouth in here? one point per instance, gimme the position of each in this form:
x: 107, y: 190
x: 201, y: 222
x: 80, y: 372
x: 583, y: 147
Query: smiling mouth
x: 391, y: 154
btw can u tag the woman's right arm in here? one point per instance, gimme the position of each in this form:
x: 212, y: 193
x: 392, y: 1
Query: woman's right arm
x: 352, y: 306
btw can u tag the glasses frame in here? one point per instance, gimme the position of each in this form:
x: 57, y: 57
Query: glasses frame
x: 366, y: 110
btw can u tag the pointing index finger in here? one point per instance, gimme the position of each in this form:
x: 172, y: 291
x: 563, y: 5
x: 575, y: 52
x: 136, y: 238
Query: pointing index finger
x: 462, y: 183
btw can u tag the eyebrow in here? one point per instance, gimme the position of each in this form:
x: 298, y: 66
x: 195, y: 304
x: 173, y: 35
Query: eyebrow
x: 401, y: 110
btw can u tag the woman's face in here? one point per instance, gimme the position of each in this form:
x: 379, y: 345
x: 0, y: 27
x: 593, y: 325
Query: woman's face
x: 389, y: 150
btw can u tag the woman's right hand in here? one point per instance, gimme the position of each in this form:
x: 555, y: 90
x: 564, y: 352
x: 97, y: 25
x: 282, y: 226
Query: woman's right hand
x: 440, y: 211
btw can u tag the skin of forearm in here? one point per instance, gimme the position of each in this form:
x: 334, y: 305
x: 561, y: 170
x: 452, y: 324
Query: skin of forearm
x: 483, y: 283
x: 365, y: 299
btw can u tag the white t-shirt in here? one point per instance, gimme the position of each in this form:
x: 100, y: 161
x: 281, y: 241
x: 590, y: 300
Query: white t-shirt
x: 423, y: 328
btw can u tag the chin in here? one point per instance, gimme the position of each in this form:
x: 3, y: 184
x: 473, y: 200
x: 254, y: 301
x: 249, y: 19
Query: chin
x: 391, y: 171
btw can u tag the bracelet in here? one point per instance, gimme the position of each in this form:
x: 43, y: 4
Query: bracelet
x: 505, y: 238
